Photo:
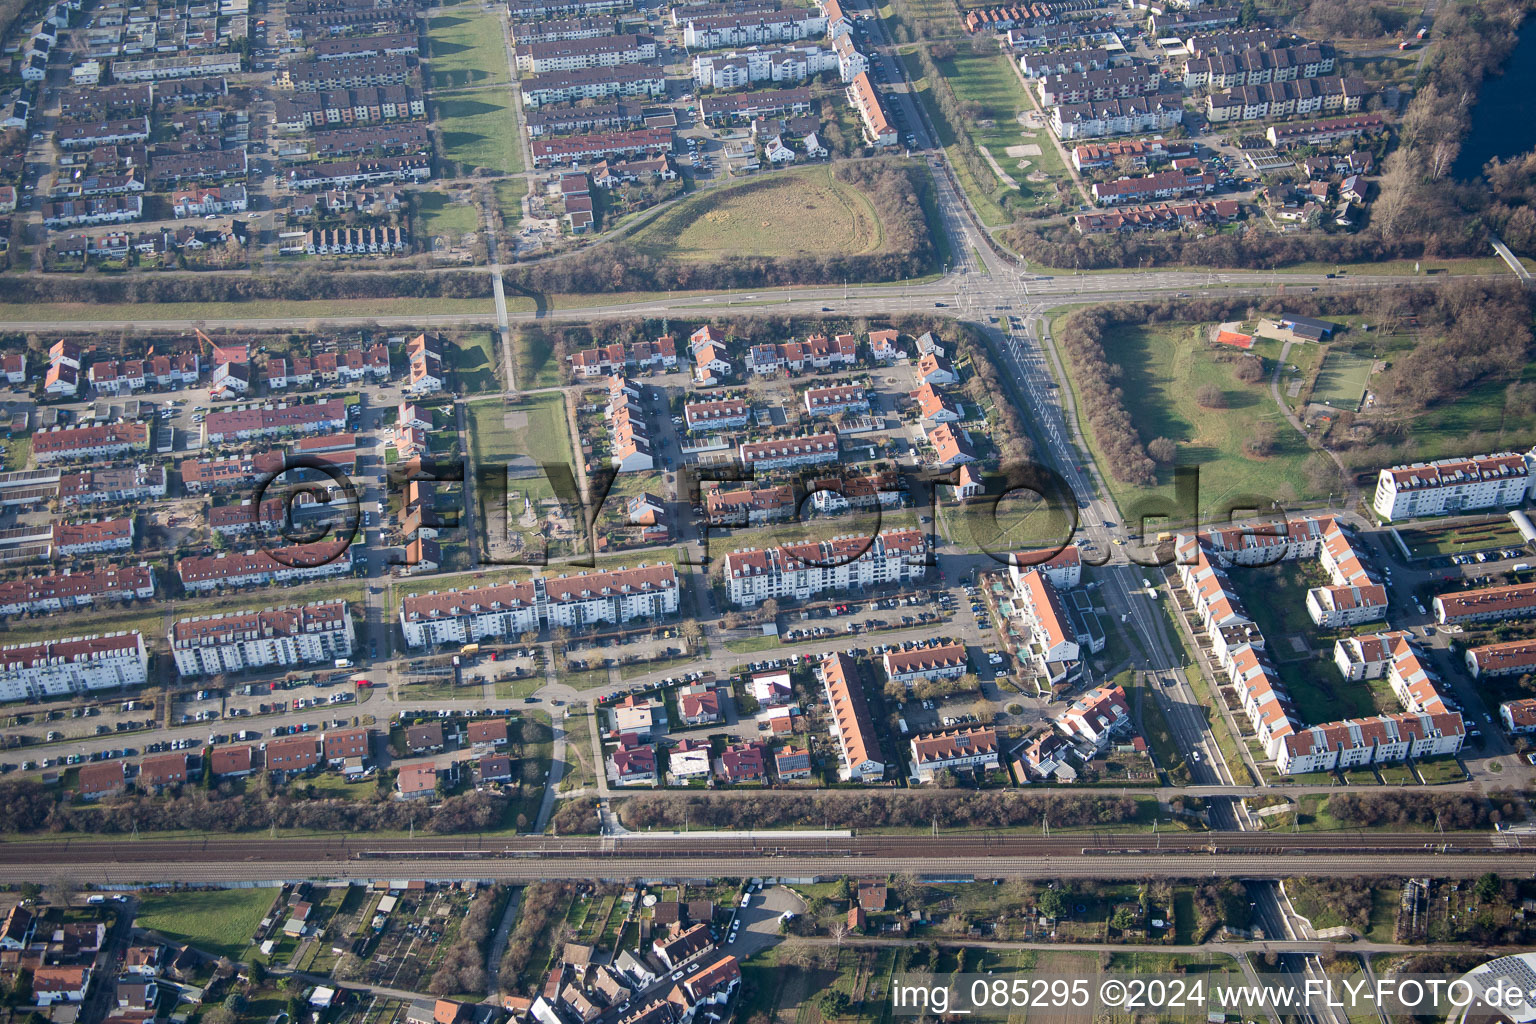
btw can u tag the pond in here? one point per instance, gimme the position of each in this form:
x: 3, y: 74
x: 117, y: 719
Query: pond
x: 1502, y: 125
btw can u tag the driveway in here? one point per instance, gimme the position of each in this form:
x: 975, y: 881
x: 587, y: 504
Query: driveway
x: 760, y: 921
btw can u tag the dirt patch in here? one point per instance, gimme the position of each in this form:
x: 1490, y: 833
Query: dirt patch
x: 515, y: 421
x: 1027, y: 149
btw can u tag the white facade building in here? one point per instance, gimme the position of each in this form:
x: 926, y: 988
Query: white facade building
x: 308, y: 634
x: 1451, y: 485
x: 57, y: 668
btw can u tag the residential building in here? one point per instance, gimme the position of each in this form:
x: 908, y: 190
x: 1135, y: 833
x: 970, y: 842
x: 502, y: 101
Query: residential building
x: 74, y: 665
x: 802, y: 571
x: 1096, y: 714
x: 477, y: 613
x: 953, y: 750
x: 1518, y: 716
x: 792, y: 763
x: 95, y: 443
x: 858, y: 747
x: 1451, y: 486
x: 789, y: 452
x: 293, y: 754
x: 1488, y: 604
x: 241, y: 641
x: 1516, y: 657
x: 942, y: 661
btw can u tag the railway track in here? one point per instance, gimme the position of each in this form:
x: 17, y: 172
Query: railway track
x: 235, y: 850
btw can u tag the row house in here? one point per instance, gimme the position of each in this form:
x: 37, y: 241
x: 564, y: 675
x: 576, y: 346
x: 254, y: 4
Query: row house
x: 577, y: 54
x: 346, y: 174
x: 158, y: 69
x: 1133, y: 116
x: 373, y: 241
x: 291, y: 564
x: 337, y: 201
x: 1156, y: 216
x: 1325, y: 132
x: 789, y: 452
x: 1516, y: 657
x: 943, y: 661
x: 973, y: 749
x: 860, y: 758
x: 277, y: 637
x: 112, y: 485
x: 1092, y: 156
x: 1061, y: 62
x: 73, y: 665
x: 113, y: 209
x: 1265, y: 701
x: 252, y: 422
x: 624, y: 80
x: 170, y: 169
x: 803, y: 571
x: 201, y: 202
x: 723, y: 109
x: 97, y: 443
x: 1207, y: 44
x: 570, y: 149
x: 831, y: 494
x: 1451, y: 486
x: 101, y: 103
x: 721, y: 414
x: 68, y: 590
x: 424, y: 361
x: 1489, y: 604
x: 388, y: 139
x: 816, y: 352
x: 478, y: 613
x: 103, y: 133
x: 1163, y: 185
x: 1063, y: 567
x: 1302, y: 97
x: 94, y: 537
x: 630, y: 436
x: 341, y: 107
x: 842, y: 398
x: 126, y: 183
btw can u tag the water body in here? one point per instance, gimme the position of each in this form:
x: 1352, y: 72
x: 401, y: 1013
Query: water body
x: 1502, y: 125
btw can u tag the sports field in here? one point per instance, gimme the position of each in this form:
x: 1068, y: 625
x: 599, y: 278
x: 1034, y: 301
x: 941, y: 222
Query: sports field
x: 1341, y: 379
x: 799, y: 211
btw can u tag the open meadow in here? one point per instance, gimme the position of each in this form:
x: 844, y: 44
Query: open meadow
x: 803, y: 211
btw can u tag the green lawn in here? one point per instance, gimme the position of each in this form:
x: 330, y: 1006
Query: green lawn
x: 1163, y: 368
x: 535, y: 362
x: 479, y: 129
x: 439, y: 215
x: 465, y: 47
x: 473, y: 360
x: 984, y: 196
x: 509, y: 194
x: 531, y: 431
x: 220, y: 921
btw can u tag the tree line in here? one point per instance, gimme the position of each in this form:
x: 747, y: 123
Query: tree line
x: 1450, y: 811
x: 842, y: 809
x: 28, y: 806
x: 246, y: 287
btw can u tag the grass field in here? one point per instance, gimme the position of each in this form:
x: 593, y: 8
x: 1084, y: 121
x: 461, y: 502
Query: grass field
x: 1017, y: 521
x: 465, y: 47
x: 1428, y: 541
x: 509, y: 194
x: 220, y: 922
x: 1341, y: 379
x: 1164, y: 367
x: 479, y: 129
x: 473, y: 360
x: 984, y: 196
x: 988, y: 80
x: 799, y: 211
x: 252, y: 312
x: 534, y: 363
x: 524, y: 435
x: 439, y: 216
